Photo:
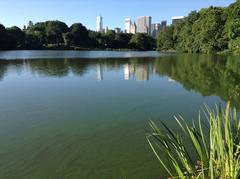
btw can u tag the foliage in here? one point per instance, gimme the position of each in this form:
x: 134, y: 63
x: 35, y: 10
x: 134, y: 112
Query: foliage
x: 212, y: 29
x: 217, y: 151
x: 165, y: 39
x: 142, y: 41
x: 17, y: 36
x: 57, y: 35
x: 209, y: 75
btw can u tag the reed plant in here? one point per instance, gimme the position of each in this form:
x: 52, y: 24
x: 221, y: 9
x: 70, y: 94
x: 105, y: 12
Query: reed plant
x: 208, y: 148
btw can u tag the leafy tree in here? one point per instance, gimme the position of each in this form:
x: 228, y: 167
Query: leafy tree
x: 54, y: 31
x: 6, y: 41
x: 165, y: 40
x: 142, y: 41
x: 79, y: 34
x: 67, y: 38
x: 32, y: 42
x: 17, y: 36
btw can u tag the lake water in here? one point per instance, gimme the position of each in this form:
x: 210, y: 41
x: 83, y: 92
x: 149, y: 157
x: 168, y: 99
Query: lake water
x: 71, y: 115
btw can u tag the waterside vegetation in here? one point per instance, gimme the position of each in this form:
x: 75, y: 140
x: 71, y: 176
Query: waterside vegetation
x: 211, y: 30
x: 57, y: 35
x: 212, y: 154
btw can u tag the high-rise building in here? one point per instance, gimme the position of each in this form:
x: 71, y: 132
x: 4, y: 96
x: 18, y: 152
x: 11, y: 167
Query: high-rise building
x: 164, y: 24
x: 177, y: 19
x: 106, y: 29
x: 128, y: 23
x: 144, y: 24
x: 155, y: 29
x: 99, y: 24
x: 133, y: 28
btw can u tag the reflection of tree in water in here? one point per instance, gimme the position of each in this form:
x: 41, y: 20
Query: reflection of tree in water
x: 12, y: 65
x: 3, y: 68
x: 49, y: 67
x: 206, y: 74
x: 78, y: 66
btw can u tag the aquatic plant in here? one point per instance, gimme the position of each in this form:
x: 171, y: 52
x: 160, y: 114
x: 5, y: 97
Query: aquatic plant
x: 209, y: 148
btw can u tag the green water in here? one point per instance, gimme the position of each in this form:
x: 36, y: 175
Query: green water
x: 87, y: 118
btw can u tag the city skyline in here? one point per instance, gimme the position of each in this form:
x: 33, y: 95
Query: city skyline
x: 14, y: 12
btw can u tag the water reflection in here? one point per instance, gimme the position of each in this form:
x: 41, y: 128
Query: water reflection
x: 207, y: 75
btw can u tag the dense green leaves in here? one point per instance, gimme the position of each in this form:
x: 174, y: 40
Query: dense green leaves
x: 141, y: 41
x: 57, y: 35
x: 210, y: 30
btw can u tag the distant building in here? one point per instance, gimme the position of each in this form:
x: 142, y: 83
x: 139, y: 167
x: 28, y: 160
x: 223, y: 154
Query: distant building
x: 155, y: 29
x: 117, y: 30
x: 133, y: 28
x: 128, y: 23
x: 99, y: 27
x: 144, y: 24
x: 130, y: 27
x: 164, y: 24
x: 177, y: 19
x: 106, y: 29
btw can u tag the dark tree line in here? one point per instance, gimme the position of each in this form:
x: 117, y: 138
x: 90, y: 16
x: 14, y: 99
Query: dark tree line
x: 57, y: 35
x: 212, y: 29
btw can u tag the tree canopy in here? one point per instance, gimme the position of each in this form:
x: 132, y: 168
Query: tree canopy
x: 57, y: 35
x: 210, y: 30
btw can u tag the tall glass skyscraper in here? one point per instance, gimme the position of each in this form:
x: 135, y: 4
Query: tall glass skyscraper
x: 128, y: 23
x: 99, y: 24
x: 144, y: 24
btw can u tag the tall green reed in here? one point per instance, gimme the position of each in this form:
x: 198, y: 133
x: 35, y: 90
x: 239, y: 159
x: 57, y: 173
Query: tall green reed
x: 212, y: 149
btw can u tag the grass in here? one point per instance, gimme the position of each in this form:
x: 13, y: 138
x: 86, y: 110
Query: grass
x: 208, y: 149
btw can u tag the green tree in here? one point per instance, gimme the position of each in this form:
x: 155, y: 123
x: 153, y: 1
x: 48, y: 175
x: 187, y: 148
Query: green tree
x: 6, y: 41
x: 142, y: 41
x: 54, y: 31
x: 79, y: 34
x: 165, y: 39
x: 67, y: 38
x: 17, y: 36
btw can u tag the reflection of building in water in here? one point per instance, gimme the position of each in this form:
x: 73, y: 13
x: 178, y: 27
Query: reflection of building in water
x: 126, y: 72
x: 171, y: 80
x: 99, y: 72
x: 140, y: 71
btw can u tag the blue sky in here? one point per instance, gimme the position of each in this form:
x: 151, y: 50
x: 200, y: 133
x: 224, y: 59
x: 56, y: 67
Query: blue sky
x: 19, y: 12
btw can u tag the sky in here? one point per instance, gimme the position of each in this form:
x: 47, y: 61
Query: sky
x: 19, y: 12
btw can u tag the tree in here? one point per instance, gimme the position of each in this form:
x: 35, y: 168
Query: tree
x: 142, y: 41
x: 6, y: 41
x: 17, y: 36
x: 79, y: 34
x: 32, y: 42
x: 68, y: 39
x: 165, y: 39
x: 54, y: 31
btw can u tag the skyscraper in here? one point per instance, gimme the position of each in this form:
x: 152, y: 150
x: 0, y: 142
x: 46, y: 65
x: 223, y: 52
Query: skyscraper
x: 133, y: 28
x: 155, y: 29
x: 128, y: 23
x: 99, y: 24
x: 164, y: 24
x: 144, y: 24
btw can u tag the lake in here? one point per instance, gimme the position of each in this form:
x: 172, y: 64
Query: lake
x: 71, y: 115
